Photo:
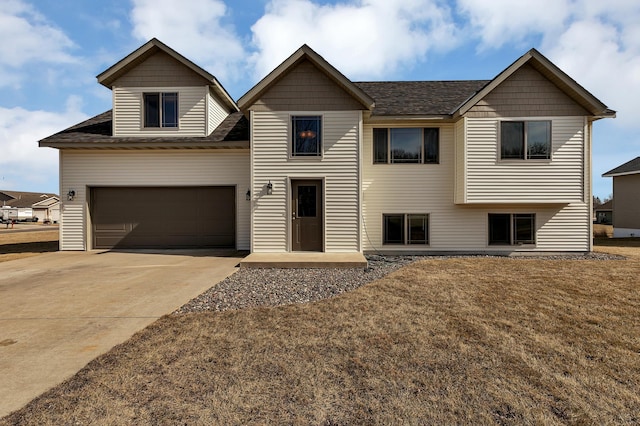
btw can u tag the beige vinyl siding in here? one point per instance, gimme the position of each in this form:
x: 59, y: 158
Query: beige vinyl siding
x: 526, y: 93
x: 305, y: 88
x: 127, y: 111
x: 491, y: 180
x: 460, y: 140
x: 216, y: 112
x: 338, y: 168
x: 82, y: 169
x: 429, y: 188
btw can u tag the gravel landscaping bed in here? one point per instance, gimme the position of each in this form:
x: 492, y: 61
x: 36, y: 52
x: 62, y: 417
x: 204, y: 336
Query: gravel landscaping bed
x: 252, y: 287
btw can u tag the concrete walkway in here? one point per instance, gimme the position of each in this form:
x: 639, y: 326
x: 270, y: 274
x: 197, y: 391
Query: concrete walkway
x: 58, y: 311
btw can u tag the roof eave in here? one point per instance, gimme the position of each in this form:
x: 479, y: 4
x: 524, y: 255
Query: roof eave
x: 609, y: 174
x: 146, y: 145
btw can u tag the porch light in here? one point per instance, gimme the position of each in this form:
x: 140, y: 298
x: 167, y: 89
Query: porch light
x: 71, y: 195
x: 247, y: 196
x: 307, y: 134
x: 269, y: 188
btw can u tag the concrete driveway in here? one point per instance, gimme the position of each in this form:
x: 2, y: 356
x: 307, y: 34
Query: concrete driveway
x: 58, y: 311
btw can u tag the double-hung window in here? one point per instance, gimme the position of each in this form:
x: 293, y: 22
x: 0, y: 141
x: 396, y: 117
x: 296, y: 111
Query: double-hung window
x: 406, y: 145
x: 306, y: 136
x: 405, y: 229
x: 512, y: 229
x: 525, y: 140
x: 160, y: 109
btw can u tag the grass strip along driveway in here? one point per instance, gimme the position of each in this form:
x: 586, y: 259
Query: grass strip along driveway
x: 459, y: 340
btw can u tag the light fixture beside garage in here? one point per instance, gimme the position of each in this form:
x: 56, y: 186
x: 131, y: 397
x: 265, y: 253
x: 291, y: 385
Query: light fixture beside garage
x: 269, y: 188
x: 248, y: 195
x: 71, y: 195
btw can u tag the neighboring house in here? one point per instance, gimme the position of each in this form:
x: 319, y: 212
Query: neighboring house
x: 47, y: 209
x: 308, y: 160
x: 604, y: 213
x: 626, y: 199
x: 30, y: 205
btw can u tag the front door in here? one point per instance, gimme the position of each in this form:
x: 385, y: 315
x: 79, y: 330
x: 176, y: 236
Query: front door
x: 306, y: 215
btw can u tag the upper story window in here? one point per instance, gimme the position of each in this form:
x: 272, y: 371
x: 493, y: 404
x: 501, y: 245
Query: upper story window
x: 160, y: 109
x: 306, y: 136
x: 525, y: 140
x: 406, y: 145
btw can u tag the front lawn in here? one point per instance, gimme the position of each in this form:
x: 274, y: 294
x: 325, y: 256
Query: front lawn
x: 461, y: 340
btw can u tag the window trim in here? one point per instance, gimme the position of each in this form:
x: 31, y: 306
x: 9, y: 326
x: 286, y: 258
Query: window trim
x: 525, y: 142
x: 406, y: 228
x: 161, y: 96
x: 388, y: 158
x: 291, y: 140
x: 513, y: 241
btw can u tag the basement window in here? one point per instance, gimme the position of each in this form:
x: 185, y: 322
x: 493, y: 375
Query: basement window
x: 403, y: 229
x: 512, y: 229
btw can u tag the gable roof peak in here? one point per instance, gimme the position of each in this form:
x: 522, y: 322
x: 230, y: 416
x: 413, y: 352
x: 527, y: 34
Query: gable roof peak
x: 151, y: 47
x: 305, y: 52
x: 553, y: 73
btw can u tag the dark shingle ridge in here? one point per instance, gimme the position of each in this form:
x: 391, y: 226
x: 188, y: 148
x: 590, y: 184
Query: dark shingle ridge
x: 392, y: 98
x: 630, y: 167
x: 420, y: 97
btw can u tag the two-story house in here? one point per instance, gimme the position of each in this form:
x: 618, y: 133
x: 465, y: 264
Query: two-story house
x: 308, y: 160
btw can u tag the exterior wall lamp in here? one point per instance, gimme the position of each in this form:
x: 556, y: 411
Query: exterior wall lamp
x: 247, y: 196
x: 269, y: 188
x: 71, y: 195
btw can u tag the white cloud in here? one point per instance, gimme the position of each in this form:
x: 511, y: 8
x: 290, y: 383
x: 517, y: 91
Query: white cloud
x: 195, y: 29
x: 362, y: 38
x: 595, y: 42
x: 28, y: 37
x: 500, y: 22
x: 23, y: 165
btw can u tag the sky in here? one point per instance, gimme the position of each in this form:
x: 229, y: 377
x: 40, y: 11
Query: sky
x: 51, y: 52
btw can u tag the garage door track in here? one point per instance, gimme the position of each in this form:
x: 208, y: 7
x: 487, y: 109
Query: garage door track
x: 60, y: 310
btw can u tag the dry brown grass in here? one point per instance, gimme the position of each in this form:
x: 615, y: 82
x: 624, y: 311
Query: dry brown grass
x: 463, y: 340
x: 17, y: 245
x: 601, y: 231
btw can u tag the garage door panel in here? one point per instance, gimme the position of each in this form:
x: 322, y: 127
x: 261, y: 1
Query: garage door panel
x: 176, y: 217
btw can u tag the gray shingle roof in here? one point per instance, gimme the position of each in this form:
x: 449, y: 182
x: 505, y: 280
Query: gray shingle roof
x: 420, y: 97
x: 98, y: 130
x: 628, y: 168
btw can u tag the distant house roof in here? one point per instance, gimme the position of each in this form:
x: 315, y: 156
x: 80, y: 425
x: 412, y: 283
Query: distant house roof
x: 608, y: 206
x: 419, y: 98
x: 629, y: 168
x: 23, y: 199
x: 97, y: 131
